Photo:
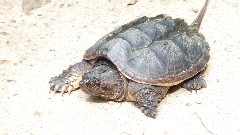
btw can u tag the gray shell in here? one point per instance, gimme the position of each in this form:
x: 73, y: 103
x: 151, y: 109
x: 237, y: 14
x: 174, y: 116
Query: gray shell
x: 157, y: 51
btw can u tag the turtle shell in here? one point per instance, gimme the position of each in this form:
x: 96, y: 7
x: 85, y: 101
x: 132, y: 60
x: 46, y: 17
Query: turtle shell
x: 157, y: 50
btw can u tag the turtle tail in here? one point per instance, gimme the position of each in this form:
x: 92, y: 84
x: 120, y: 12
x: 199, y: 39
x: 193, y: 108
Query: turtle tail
x: 197, y: 22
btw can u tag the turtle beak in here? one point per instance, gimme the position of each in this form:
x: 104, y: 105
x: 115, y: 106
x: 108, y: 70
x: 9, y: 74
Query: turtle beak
x: 90, y: 86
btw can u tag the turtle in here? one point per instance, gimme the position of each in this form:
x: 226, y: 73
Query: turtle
x: 139, y: 61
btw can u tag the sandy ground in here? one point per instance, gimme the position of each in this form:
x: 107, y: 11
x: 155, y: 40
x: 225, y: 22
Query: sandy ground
x: 38, y: 44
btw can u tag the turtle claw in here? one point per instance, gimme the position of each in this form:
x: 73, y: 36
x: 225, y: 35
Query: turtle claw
x: 58, y: 85
x: 69, y: 90
x: 149, y: 112
x: 62, y: 89
x: 56, y: 88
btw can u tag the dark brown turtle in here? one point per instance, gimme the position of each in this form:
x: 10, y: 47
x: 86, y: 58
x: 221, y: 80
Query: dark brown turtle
x: 139, y: 61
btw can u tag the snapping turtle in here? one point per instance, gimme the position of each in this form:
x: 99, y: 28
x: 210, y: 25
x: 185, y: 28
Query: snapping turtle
x: 139, y: 61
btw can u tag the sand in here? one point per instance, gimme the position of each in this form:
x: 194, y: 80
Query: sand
x: 41, y: 38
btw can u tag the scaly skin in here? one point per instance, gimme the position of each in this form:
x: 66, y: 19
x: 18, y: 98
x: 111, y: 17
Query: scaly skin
x: 147, y: 97
x: 70, y: 78
x: 197, y: 22
x: 195, y: 83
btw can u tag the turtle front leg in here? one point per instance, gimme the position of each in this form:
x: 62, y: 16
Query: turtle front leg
x: 195, y: 83
x: 147, y: 97
x: 70, y: 78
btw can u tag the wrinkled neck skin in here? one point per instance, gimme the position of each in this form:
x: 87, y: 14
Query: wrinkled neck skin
x: 104, y: 81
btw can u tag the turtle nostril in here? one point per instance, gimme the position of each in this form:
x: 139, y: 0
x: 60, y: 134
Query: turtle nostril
x: 81, y: 82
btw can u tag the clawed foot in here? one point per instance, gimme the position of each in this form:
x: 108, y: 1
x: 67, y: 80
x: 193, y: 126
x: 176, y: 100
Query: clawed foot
x: 59, y: 85
x: 149, y: 111
x: 196, y: 83
x: 70, y: 78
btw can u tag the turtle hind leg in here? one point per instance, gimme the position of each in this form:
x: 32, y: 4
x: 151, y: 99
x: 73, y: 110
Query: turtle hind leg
x: 70, y: 78
x: 147, y: 97
x: 195, y: 83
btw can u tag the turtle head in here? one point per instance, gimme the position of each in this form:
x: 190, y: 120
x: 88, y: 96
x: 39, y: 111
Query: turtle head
x: 104, y: 81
